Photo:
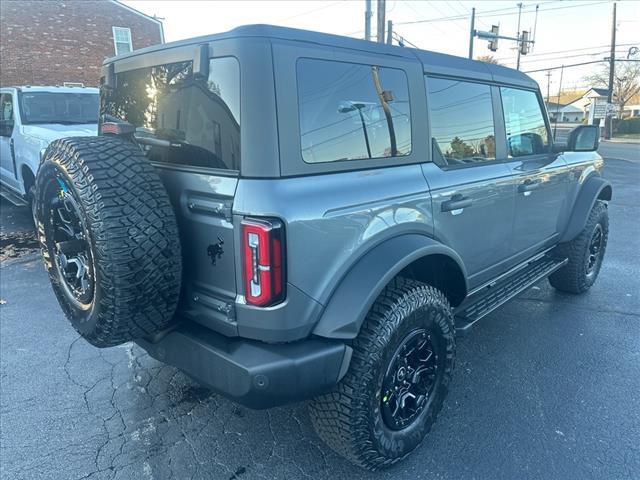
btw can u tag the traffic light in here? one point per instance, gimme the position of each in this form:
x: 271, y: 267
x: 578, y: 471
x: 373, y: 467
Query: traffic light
x: 524, y: 42
x: 493, y: 43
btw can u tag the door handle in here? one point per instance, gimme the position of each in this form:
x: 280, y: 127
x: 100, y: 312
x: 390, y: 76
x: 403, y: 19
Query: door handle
x: 528, y: 186
x: 457, y: 202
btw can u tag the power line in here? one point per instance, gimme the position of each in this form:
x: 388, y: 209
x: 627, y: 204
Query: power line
x: 537, y: 60
x: 575, y: 65
x: 317, y: 9
x: 495, y: 13
x: 570, y: 50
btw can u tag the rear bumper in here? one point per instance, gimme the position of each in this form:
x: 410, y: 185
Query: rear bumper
x: 252, y: 373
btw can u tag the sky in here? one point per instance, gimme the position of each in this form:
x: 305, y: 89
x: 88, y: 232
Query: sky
x: 566, y: 32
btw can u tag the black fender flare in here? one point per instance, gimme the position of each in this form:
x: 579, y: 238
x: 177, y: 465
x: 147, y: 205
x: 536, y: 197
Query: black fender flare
x: 594, y: 188
x: 357, y: 291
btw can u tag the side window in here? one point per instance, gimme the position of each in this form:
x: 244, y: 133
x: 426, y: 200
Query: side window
x: 524, y: 122
x: 6, y: 107
x: 6, y: 115
x: 122, y: 40
x: 461, y: 122
x: 350, y: 111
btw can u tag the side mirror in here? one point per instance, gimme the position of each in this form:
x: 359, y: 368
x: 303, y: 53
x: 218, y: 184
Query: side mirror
x: 583, y: 138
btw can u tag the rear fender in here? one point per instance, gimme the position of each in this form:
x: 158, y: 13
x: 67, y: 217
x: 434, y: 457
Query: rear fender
x: 358, y: 290
x: 594, y: 188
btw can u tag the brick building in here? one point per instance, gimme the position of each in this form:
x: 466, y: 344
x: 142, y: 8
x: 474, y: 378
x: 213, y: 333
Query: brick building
x: 55, y: 42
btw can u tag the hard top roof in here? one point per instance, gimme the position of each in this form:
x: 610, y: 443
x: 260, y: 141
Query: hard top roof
x: 438, y: 63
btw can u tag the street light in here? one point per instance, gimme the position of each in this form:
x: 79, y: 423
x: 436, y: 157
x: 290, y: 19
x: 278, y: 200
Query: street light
x: 350, y: 106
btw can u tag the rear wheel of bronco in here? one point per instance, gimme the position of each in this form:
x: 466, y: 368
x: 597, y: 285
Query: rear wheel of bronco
x: 585, y: 253
x: 109, y: 239
x: 398, y: 378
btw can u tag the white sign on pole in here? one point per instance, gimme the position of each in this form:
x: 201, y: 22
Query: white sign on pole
x: 599, y: 108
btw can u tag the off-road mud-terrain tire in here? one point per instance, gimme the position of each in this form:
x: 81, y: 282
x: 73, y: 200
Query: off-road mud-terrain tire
x: 349, y: 418
x: 31, y: 198
x: 130, y: 237
x: 575, y: 276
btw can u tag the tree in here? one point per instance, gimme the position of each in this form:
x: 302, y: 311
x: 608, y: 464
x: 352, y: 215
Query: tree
x: 460, y: 149
x: 626, y: 82
x: 488, y: 59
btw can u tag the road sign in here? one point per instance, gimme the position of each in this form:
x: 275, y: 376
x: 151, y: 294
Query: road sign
x: 601, y: 109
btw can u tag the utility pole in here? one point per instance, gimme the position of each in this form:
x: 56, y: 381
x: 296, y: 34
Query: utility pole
x: 381, y: 14
x: 367, y: 20
x: 389, y: 32
x: 608, y: 121
x: 548, y: 74
x: 519, y: 14
x: 472, y: 32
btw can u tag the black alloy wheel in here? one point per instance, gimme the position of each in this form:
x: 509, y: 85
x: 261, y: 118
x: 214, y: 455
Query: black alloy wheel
x: 410, y: 380
x: 69, y: 242
x: 594, y: 250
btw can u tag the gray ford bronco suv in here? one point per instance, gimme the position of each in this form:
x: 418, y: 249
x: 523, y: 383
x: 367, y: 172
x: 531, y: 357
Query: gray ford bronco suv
x: 288, y: 215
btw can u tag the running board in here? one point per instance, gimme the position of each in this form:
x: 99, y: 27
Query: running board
x: 12, y: 196
x: 485, y: 301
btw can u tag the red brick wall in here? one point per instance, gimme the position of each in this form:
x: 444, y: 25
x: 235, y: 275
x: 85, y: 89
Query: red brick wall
x: 50, y: 42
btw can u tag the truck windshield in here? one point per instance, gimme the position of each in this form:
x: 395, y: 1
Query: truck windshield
x: 181, y: 118
x: 63, y: 108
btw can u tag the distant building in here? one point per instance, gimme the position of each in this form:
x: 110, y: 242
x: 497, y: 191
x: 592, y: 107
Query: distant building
x: 564, y: 113
x: 591, y: 97
x: 631, y: 111
x: 56, y: 42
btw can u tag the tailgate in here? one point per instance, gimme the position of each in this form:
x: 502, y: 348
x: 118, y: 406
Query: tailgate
x: 203, y: 209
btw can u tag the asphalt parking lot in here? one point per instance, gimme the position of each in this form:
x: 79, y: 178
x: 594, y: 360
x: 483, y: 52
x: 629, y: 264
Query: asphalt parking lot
x: 546, y: 387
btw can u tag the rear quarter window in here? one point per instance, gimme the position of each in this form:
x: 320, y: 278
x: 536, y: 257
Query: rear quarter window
x: 462, y: 124
x: 351, y: 111
x: 179, y: 118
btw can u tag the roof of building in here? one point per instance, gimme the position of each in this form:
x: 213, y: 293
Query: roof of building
x: 438, y: 62
x: 603, y: 92
x: 553, y: 105
x: 137, y: 12
x: 144, y: 15
x: 55, y: 89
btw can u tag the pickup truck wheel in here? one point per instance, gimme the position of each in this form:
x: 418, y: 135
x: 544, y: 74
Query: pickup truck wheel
x: 398, y: 378
x: 109, y: 239
x: 585, y: 253
x: 31, y: 198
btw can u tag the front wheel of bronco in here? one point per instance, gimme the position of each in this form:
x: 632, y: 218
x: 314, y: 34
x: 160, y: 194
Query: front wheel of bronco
x: 585, y: 253
x: 399, y: 375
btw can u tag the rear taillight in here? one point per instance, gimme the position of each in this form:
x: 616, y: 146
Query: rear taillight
x: 263, y: 265
x: 117, y: 128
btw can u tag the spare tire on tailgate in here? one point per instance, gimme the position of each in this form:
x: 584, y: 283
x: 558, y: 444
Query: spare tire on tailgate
x: 109, y: 238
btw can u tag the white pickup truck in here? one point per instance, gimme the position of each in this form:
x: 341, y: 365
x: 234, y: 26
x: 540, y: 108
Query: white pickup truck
x: 30, y: 119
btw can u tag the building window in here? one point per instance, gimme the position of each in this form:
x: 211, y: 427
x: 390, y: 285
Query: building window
x: 351, y: 111
x: 122, y: 40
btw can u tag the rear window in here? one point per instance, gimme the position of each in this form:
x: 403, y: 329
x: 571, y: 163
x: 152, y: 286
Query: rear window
x: 351, y: 111
x: 180, y: 118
